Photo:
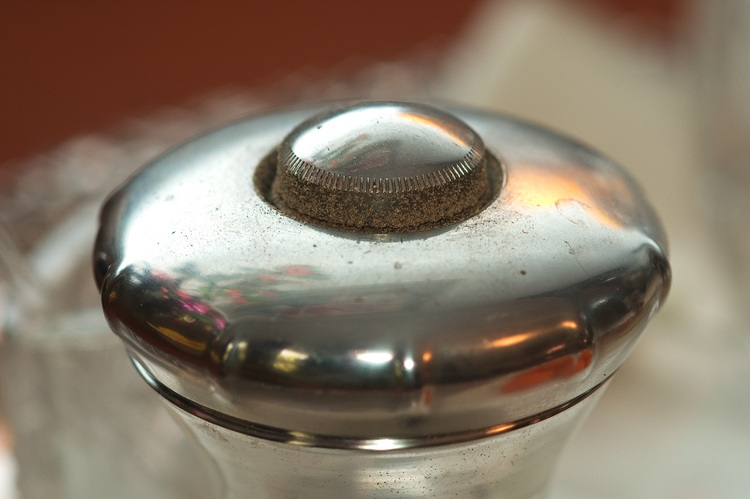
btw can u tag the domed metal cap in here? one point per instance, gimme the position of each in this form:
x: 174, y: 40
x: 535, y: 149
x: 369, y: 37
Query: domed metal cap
x: 382, y: 167
x: 282, y: 329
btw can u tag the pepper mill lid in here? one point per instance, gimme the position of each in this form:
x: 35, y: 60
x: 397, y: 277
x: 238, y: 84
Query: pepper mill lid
x: 382, y: 272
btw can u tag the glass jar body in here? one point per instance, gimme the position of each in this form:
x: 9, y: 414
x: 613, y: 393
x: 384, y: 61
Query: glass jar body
x: 511, y: 465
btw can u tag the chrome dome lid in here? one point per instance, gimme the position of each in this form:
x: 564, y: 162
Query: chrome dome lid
x: 317, y: 334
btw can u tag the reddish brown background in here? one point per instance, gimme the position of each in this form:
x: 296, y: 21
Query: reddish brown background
x: 70, y: 67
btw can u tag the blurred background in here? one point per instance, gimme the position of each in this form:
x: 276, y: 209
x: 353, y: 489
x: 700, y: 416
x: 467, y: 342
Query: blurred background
x: 78, y: 67
x: 91, y: 90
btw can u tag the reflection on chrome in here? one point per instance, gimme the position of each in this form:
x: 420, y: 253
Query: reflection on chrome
x: 374, y: 357
x: 368, y: 129
x: 382, y: 444
x: 288, y: 360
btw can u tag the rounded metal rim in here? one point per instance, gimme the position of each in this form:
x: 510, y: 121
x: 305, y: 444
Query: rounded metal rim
x: 383, y: 444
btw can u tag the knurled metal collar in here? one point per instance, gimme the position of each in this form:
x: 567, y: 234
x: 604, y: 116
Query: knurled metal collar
x: 382, y: 167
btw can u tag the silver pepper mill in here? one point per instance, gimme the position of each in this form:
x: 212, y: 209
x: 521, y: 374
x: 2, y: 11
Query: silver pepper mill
x: 380, y: 299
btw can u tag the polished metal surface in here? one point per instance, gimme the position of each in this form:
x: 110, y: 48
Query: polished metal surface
x: 382, y: 167
x: 327, y: 335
